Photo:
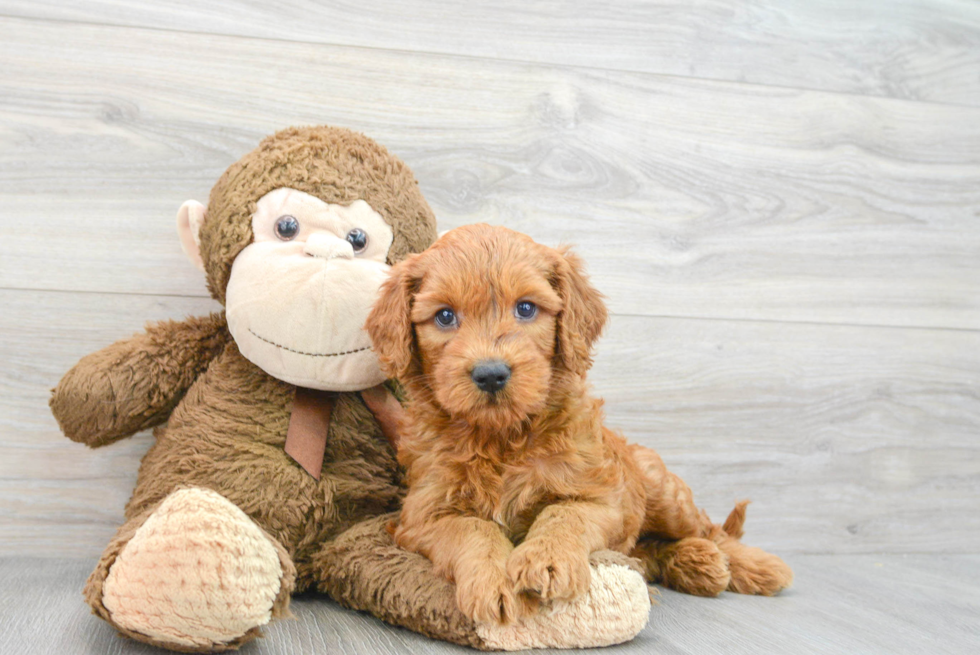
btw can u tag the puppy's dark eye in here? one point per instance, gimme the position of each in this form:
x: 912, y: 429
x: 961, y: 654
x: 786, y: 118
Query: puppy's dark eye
x: 287, y: 227
x: 358, y: 239
x: 446, y: 318
x: 525, y: 310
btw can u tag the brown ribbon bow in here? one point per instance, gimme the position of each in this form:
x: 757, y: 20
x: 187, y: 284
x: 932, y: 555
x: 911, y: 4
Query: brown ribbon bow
x: 306, y: 439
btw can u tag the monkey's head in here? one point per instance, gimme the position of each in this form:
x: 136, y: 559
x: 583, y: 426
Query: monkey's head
x: 297, y: 237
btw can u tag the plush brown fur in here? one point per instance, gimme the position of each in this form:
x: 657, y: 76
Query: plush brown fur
x: 532, y: 464
x: 222, y: 422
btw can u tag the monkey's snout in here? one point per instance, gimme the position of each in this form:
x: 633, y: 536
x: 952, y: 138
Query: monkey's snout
x: 490, y: 376
x: 327, y: 247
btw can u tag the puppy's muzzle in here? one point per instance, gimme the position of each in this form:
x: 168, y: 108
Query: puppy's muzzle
x: 490, y: 376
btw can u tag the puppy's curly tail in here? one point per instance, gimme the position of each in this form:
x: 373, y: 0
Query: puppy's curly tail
x: 736, y: 519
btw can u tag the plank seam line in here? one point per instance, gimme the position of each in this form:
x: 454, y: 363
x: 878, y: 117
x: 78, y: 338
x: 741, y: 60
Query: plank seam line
x: 678, y: 317
x: 526, y: 62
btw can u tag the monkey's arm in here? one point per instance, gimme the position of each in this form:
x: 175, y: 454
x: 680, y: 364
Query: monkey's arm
x: 135, y: 383
x: 363, y: 569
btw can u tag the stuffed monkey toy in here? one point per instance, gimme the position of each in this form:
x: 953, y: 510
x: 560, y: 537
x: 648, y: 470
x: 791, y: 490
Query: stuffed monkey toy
x: 271, y: 472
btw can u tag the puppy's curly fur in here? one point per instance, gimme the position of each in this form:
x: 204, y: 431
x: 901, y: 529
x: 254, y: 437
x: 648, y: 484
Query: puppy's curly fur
x: 530, y: 463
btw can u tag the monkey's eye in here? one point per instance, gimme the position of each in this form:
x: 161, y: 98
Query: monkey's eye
x: 287, y: 227
x: 357, y: 239
x: 525, y: 310
x: 446, y: 318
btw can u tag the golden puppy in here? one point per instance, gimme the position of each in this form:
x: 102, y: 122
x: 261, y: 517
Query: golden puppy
x: 491, y: 335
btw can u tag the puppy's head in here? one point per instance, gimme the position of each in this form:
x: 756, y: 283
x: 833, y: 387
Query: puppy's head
x: 484, y: 321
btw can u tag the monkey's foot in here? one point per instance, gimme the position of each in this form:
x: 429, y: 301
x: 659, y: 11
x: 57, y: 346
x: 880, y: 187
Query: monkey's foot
x: 197, y: 575
x: 613, y: 610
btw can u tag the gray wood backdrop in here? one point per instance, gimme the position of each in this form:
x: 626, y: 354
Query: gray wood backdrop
x: 781, y: 201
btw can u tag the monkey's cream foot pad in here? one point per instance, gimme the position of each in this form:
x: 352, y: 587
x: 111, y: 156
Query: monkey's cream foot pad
x: 197, y: 573
x: 614, y: 610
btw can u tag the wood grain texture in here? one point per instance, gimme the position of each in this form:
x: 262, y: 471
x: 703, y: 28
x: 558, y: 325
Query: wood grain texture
x: 913, y: 49
x: 687, y: 198
x: 848, y: 439
x: 794, y: 273
x: 839, y: 604
x: 56, y: 495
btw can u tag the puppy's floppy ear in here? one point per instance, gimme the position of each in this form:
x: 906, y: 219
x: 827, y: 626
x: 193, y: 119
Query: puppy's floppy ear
x: 582, y: 316
x: 390, y: 322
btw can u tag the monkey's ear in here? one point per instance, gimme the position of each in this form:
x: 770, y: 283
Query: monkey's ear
x: 390, y: 322
x: 582, y: 316
x: 190, y: 217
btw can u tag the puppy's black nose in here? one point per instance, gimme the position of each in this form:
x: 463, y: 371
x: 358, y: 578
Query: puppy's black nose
x: 491, y: 376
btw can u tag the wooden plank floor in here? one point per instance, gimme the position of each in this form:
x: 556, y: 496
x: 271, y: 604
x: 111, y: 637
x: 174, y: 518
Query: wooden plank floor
x: 781, y: 202
x: 915, y: 49
x: 854, y: 604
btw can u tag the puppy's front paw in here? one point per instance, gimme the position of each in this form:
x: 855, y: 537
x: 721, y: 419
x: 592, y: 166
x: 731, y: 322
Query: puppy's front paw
x: 548, y: 571
x: 487, y: 596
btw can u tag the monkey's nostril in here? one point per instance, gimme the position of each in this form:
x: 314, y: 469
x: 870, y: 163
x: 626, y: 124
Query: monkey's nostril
x: 490, y: 376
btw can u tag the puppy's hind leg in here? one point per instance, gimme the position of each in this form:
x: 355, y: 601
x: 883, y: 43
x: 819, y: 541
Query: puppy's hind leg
x: 693, y: 565
x: 676, y: 535
x: 670, y: 509
x: 675, y: 545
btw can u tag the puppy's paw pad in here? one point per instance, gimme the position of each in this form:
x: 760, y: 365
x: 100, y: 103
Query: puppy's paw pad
x: 488, y: 597
x: 537, y: 568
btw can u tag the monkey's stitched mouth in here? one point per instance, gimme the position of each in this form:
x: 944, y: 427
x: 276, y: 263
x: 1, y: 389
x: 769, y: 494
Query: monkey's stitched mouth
x: 300, y: 352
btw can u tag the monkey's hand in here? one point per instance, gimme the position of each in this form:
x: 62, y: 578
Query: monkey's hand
x: 135, y: 383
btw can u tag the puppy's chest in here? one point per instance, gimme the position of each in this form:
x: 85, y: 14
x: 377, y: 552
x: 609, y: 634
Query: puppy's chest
x: 509, y: 495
